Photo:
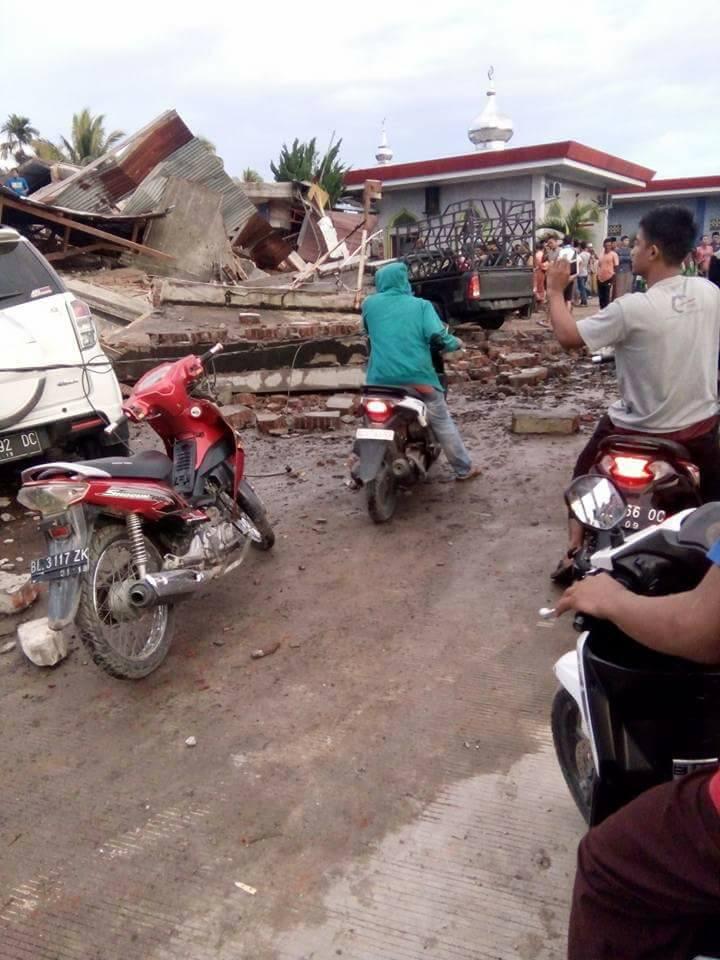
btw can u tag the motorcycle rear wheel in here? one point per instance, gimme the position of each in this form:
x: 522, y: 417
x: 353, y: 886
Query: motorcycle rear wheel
x: 381, y: 493
x: 126, y: 648
x: 573, y: 751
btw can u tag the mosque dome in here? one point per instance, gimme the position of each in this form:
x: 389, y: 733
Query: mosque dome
x: 490, y: 130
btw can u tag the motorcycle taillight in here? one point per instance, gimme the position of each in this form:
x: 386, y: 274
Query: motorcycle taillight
x: 629, y: 470
x: 378, y: 411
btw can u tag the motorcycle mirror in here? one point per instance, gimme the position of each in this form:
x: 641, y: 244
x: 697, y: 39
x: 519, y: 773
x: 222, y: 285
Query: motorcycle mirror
x: 595, y: 502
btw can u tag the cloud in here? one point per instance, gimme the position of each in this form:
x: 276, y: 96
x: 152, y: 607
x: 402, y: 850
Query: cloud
x: 634, y: 80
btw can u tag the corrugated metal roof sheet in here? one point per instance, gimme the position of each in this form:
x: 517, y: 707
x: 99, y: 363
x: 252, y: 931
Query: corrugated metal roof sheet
x: 136, y: 171
x: 193, y: 161
x: 103, y: 183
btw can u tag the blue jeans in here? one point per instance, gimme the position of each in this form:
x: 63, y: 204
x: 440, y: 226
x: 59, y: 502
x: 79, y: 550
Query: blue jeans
x: 446, y: 433
x: 583, y: 290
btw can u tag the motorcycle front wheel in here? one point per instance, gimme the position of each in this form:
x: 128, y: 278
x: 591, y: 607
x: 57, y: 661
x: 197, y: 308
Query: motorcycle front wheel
x: 381, y: 493
x: 573, y: 751
x: 127, y: 644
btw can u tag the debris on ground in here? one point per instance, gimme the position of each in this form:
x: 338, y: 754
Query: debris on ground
x: 545, y: 421
x: 266, y: 651
x: 191, y: 742
x: 7, y: 647
x: 247, y: 889
x: 41, y: 645
x: 17, y: 592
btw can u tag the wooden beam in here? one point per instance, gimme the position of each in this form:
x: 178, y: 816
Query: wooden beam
x: 41, y: 214
x: 74, y: 251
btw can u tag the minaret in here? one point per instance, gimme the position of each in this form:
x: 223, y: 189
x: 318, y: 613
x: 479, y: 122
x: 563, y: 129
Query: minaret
x: 491, y: 130
x: 384, y: 153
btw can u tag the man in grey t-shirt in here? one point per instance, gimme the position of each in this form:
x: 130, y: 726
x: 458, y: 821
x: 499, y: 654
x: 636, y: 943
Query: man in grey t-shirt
x: 666, y: 345
x: 624, y: 273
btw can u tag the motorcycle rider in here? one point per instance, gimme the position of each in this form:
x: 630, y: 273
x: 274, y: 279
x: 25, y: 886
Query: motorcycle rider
x: 666, y: 346
x: 400, y: 327
x: 647, y: 885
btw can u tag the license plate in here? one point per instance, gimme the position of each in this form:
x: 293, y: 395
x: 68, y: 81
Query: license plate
x: 368, y: 433
x: 638, y: 516
x: 14, y: 446
x: 57, y: 566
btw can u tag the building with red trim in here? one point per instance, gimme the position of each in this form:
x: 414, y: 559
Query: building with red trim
x: 565, y: 171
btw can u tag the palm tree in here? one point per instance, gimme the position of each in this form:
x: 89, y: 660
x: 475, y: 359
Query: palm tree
x: 48, y: 151
x: 89, y: 140
x: 250, y: 176
x: 572, y: 223
x: 302, y: 162
x: 18, y: 134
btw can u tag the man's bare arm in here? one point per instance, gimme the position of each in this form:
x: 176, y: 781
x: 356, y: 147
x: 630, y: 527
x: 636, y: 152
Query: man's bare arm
x: 563, y: 324
x: 682, y: 625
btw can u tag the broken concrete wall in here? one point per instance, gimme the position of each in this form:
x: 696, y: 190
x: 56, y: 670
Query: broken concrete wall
x: 193, y: 232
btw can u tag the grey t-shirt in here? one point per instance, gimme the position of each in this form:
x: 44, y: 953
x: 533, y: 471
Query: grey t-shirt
x: 625, y: 258
x: 666, y: 353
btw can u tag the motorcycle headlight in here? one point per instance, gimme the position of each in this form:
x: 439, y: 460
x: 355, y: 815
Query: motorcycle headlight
x: 51, y: 498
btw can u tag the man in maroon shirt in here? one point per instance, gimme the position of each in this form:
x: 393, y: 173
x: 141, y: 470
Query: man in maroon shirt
x: 648, y: 878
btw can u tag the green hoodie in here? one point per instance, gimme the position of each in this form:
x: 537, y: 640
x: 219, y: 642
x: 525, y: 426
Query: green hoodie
x: 400, y: 327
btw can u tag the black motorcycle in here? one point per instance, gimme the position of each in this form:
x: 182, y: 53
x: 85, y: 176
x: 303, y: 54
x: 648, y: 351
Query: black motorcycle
x: 625, y: 717
x: 396, y: 446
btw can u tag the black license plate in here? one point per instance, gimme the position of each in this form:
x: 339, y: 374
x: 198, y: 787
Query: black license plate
x: 24, y: 443
x: 638, y: 516
x: 57, y: 566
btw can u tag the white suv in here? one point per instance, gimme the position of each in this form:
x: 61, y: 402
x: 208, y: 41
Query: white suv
x: 57, y: 387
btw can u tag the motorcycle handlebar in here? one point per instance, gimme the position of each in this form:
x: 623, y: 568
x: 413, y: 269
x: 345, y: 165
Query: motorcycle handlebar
x: 212, y: 352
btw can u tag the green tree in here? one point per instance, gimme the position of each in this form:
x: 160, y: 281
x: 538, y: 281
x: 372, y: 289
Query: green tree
x: 250, y: 176
x: 18, y: 133
x: 89, y: 140
x: 573, y: 222
x: 48, y: 151
x: 302, y: 161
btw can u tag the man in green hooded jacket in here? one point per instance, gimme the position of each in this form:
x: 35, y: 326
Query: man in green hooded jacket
x: 400, y: 327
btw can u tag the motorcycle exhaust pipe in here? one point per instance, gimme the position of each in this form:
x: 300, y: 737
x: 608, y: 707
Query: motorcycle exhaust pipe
x: 156, y: 588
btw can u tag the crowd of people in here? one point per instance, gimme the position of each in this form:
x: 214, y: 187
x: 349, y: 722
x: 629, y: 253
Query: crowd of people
x: 608, y: 274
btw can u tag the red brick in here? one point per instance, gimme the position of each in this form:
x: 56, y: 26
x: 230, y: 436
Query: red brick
x: 239, y: 416
x: 245, y: 399
x: 269, y: 421
x: 317, y: 420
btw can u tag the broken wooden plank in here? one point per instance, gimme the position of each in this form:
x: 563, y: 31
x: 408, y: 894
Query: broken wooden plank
x: 68, y: 252
x: 62, y: 221
x: 169, y: 290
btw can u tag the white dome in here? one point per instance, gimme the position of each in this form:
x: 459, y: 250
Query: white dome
x: 384, y: 153
x: 490, y: 130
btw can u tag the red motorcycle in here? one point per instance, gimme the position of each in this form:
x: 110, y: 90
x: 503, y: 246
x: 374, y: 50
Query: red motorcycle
x: 129, y: 537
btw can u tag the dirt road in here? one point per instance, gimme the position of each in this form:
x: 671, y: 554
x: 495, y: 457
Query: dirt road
x: 381, y: 788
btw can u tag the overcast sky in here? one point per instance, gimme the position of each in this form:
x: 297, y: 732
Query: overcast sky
x: 636, y: 78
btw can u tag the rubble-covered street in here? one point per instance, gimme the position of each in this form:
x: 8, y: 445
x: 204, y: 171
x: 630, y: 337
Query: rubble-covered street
x: 381, y: 785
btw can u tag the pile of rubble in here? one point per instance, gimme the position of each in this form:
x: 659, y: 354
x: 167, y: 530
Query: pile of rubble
x: 510, y: 360
x: 521, y: 363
